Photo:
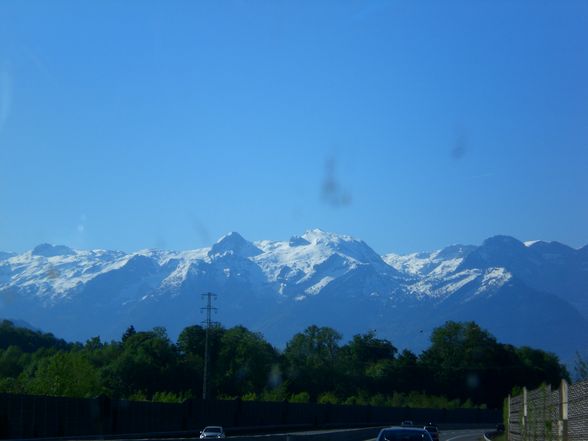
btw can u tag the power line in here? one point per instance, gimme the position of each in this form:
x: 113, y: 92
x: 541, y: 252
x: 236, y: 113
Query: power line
x: 208, y: 324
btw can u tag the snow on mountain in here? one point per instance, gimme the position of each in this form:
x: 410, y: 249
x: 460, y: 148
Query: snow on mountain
x: 438, y: 263
x: 55, y: 275
x: 5, y: 255
x: 279, y: 287
x: 439, y: 288
x: 544, y: 266
x: 306, y: 265
x: 234, y: 243
x: 493, y: 278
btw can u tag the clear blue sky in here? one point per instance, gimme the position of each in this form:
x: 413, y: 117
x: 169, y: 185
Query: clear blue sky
x: 411, y: 125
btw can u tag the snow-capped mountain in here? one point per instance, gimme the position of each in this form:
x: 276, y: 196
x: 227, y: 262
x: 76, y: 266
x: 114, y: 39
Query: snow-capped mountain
x: 526, y: 293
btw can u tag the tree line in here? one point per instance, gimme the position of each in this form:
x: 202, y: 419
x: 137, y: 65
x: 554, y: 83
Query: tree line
x: 464, y: 366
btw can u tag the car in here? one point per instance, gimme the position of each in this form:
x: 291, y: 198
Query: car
x: 210, y: 432
x: 407, y: 423
x: 404, y: 434
x: 433, y: 431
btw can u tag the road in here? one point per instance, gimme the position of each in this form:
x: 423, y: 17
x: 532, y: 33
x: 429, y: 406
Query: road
x: 463, y: 435
x: 446, y: 435
x: 460, y: 435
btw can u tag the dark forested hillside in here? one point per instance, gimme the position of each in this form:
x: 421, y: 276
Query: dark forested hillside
x: 27, y: 340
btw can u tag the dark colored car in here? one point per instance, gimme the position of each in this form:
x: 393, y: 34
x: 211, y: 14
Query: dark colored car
x: 404, y: 434
x: 433, y: 431
x: 210, y: 432
x: 407, y: 423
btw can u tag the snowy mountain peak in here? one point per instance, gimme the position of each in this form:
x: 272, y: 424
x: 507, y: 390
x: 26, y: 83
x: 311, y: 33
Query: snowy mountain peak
x: 236, y: 244
x: 48, y: 250
x: 343, y: 244
x: 325, y: 238
x: 316, y: 235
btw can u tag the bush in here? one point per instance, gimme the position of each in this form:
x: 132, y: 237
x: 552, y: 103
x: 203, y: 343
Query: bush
x: 328, y: 398
x: 138, y: 396
x: 302, y: 397
x: 170, y: 397
x: 279, y: 393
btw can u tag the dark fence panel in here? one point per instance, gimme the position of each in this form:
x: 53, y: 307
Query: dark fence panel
x: 29, y: 416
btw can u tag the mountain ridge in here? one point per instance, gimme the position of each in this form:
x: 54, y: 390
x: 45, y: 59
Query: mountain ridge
x: 276, y: 287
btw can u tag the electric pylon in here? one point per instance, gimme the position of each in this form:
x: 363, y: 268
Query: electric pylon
x: 208, y: 324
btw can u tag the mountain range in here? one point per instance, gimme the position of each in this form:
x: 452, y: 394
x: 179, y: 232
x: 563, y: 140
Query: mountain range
x: 525, y: 293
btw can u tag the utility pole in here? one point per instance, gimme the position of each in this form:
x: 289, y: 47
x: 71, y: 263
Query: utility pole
x: 208, y: 324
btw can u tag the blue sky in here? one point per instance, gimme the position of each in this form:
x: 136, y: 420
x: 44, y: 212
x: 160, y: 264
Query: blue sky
x: 411, y: 125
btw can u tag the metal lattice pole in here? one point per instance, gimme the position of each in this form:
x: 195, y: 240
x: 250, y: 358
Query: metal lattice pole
x: 208, y: 324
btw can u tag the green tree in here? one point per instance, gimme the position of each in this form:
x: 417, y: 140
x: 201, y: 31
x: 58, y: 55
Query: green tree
x: 465, y: 361
x: 244, y: 362
x: 191, y: 361
x: 28, y: 340
x: 147, y: 362
x: 459, y: 358
x: 541, y: 367
x: 67, y: 374
x: 407, y: 374
x: 311, y: 360
x: 128, y: 333
x: 460, y: 345
x: 12, y: 362
x: 367, y: 363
